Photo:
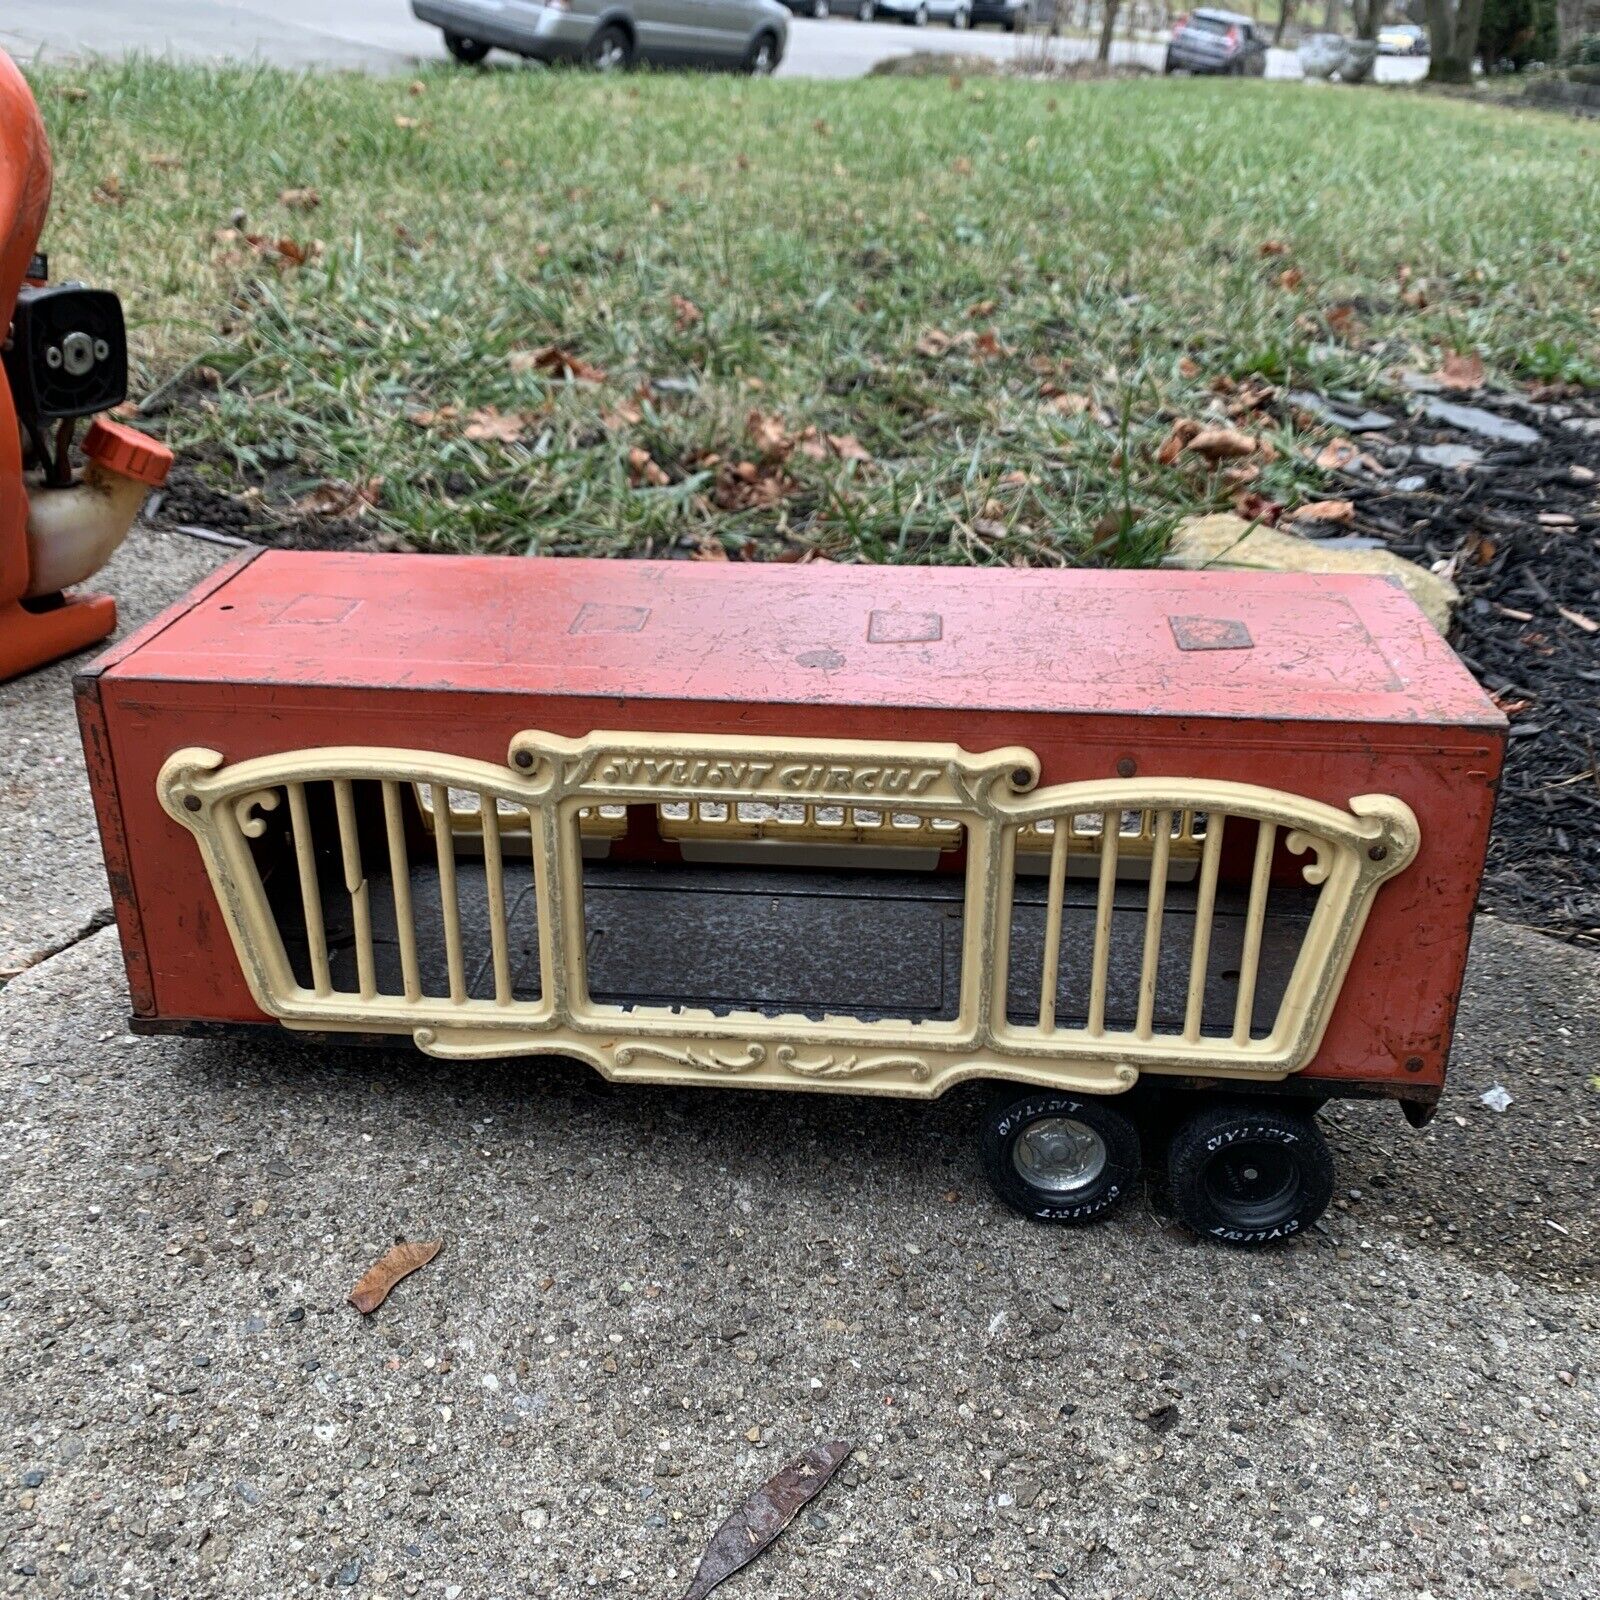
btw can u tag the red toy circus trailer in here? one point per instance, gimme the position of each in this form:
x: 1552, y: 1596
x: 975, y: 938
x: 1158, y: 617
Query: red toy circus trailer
x: 1202, y: 845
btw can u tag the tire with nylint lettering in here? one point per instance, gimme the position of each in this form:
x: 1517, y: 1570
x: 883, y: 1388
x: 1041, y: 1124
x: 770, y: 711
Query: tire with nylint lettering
x: 1057, y: 1157
x: 1249, y: 1175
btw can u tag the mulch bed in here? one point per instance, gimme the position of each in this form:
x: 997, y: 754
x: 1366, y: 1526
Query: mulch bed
x: 1518, y: 530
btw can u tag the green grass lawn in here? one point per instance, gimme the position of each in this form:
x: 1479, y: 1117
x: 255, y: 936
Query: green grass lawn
x: 993, y: 296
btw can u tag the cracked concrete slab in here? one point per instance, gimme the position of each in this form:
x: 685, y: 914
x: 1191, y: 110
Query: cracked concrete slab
x: 52, y: 884
x: 648, y: 1300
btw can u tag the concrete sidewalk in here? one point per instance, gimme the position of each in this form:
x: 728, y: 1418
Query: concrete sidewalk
x: 648, y: 1300
x: 52, y: 883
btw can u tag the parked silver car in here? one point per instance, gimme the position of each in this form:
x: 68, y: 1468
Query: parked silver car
x: 746, y: 35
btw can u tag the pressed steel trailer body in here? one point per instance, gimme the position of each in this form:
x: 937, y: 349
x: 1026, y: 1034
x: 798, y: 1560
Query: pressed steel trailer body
x: 824, y: 827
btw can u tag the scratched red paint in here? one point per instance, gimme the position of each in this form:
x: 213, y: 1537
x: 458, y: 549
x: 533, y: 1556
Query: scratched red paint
x: 1344, y: 689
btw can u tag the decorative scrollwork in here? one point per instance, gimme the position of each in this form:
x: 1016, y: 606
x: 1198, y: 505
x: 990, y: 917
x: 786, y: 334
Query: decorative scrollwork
x: 244, y: 805
x: 702, y: 1060
x: 851, y: 1066
x: 1317, y: 869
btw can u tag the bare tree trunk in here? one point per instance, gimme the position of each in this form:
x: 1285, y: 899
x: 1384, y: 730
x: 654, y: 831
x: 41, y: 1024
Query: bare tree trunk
x: 1453, y: 33
x: 1368, y: 17
x: 1285, y: 17
x: 1109, y: 26
x: 1330, y: 17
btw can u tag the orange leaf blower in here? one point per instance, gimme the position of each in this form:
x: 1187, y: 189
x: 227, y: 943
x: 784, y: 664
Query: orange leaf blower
x: 65, y: 358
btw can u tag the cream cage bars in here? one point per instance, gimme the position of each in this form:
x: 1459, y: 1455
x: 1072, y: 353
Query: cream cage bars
x: 1072, y: 937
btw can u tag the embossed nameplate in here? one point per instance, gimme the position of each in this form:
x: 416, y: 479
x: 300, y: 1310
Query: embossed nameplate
x: 620, y: 765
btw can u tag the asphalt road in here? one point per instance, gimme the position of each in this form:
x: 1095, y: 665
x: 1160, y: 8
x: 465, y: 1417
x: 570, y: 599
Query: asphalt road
x: 383, y: 36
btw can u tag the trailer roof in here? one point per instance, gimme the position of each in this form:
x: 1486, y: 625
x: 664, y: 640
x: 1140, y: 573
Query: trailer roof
x: 1271, y: 645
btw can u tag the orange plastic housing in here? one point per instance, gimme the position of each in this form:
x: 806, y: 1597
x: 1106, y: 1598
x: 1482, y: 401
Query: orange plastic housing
x: 24, y: 200
x: 1332, y: 686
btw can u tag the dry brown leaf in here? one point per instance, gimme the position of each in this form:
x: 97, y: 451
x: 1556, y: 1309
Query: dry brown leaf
x: 433, y: 418
x: 625, y: 414
x: 1292, y: 279
x: 848, y: 448
x: 1325, y: 511
x: 1223, y: 444
x: 300, y: 199
x: 1240, y: 473
x: 558, y: 363
x: 416, y: 87
x: 109, y: 190
x: 1071, y: 405
x: 1183, y: 430
x: 708, y: 547
x: 962, y: 167
x: 1255, y: 507
x: 1188, y: 368
x: 396, y: 1263
x: 1460, y: 372
x: 73, y: 91
x: 407, y: 122
x: 684, y: 311
x: 489, y: 422
x: 1341, y: 318
x: 1272, y: 247
x: 645, y: 471
x: 768, y: 434
x: 981, y: 309
x: 935, y: 342
x: 336, y: 499
x: 166, y: 163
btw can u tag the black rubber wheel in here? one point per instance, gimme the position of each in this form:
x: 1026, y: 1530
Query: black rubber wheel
x: 610, y: 50
x: 1059, y: 1157
x: 917, y: 19
x: 867, y: 10
x: 1249, y: 1174
x: 470, y: 51
x: 761, y: 61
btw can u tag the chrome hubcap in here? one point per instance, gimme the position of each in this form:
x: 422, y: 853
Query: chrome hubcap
x: 1059, y: 1154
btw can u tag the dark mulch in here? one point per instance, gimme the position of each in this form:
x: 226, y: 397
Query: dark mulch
x: 1520, y: 533
x: 1519, y: 530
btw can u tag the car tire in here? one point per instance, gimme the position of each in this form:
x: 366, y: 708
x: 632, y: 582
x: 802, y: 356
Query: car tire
x: 1055, y: 1157
x: 761, y: 60
x: 867, y: 10
x: 917, y: 19
x: 1166, y: 64
x: 819, y: 10
x: 467, y: 51
x: 610, y: 49
x: 960, y: 18
x: 1249, y: 1175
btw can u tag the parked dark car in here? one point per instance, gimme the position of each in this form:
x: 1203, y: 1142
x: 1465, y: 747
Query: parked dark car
x: 1217, y: 41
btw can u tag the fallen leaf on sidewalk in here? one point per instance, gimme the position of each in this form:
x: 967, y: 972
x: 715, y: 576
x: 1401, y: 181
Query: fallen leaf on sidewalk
x: 396, y: 1263
x: 753, y: 1527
